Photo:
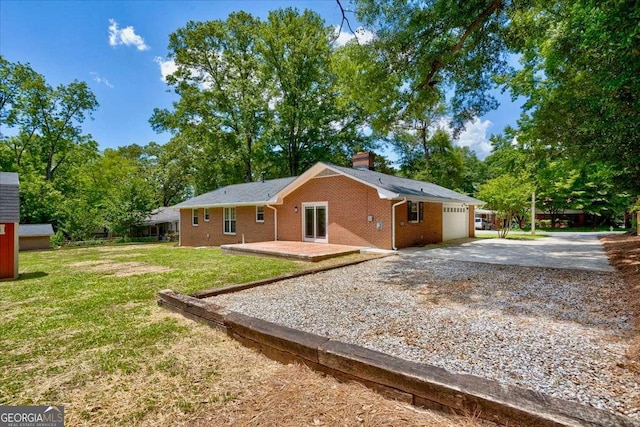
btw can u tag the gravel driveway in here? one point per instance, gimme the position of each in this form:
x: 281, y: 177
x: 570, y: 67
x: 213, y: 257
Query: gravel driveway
x: 558, y: 331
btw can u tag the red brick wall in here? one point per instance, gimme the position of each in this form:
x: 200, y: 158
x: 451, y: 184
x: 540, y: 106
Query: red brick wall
x: 349, y: 205
x: 423, y: 233
x: 210, y: 233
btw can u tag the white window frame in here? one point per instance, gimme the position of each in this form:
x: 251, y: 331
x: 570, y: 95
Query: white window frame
x: 259, y: 211
x: 206, y: 215
x: 315, y: 205
x: 194, y: 217
x: 419, y: 212
x: 230, y: 219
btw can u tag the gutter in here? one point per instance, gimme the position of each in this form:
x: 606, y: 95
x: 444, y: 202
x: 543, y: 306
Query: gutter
x: 275, y: 221
x: 393, y: 223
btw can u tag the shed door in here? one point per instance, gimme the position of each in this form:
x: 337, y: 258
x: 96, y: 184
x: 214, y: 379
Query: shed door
x: 454, y: 222
x: 8, y: 251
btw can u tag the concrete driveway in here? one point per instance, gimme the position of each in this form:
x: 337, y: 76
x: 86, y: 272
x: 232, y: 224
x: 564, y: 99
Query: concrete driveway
x: 581, y: 251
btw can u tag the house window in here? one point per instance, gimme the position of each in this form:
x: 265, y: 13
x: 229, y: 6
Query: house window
x: 415, y: 211
x: 194, y: 217
x: 229, y: 220
x: 206, y: 214
x: 259, y: 213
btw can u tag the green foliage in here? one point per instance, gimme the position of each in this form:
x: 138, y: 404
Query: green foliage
x: 258, y: 96
x: 310, y: 123
x: 579, y: 73
x: 441, y: 46
x: 509, y: 197
x: 57, y: 239
x: 128, y: 196
x: 40, y: 201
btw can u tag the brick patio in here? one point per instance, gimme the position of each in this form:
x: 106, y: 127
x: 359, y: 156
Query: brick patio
x: 293, y: 250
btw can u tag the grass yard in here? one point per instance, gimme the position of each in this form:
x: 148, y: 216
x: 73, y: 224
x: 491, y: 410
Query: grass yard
x: 81, y: 328
x: 512, y: 235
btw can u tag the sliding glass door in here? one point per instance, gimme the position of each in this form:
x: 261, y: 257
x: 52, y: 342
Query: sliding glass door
x: 315, y: 221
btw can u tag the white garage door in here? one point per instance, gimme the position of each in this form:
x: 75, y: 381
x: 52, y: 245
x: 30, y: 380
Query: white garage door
x: 454, y: 222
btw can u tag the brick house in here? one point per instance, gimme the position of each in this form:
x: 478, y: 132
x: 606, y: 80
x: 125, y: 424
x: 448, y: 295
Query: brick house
x: 329, y: 204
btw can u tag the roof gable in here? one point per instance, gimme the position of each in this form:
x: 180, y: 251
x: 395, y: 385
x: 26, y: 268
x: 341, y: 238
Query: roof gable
x: 274, y: 191
x: 388, y: 186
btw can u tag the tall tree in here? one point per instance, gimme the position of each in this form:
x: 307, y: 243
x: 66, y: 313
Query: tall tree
x: 47, y: 146
x: 223, y: 94
x: 308, y: 123
x: 581, y: 74
x: 443, y: 45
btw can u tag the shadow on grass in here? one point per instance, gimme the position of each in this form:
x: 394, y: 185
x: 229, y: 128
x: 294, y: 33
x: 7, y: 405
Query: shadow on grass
x: 31, y: 276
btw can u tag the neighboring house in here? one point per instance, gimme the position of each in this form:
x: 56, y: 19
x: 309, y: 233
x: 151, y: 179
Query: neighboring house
x: 35, y: 236
x: 9, y: 220
x: 488, y: 216
x: 329, y: 204
x: 163, y: 224
x: 562, y: 219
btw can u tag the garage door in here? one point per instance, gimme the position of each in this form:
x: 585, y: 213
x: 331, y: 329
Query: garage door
x: 454, y: 222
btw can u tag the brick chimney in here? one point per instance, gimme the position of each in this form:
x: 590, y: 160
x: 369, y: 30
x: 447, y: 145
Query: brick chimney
x: 363, y: 160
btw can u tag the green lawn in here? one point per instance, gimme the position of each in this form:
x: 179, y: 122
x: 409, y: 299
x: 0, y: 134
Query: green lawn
x: 513, y: 235
x: 76, y: 315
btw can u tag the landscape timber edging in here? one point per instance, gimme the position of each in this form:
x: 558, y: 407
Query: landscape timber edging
x: 417, y: 383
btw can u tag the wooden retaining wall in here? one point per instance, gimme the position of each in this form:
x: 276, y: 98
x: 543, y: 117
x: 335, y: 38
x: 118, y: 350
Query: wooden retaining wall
x: 416, y: 383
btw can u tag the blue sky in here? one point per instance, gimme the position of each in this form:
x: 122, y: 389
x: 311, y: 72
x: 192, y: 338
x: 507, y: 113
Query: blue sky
x: 118, y: 48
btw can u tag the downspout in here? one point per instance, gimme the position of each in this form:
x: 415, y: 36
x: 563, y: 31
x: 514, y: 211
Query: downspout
x: 393, y: 223
x: 275, y: 222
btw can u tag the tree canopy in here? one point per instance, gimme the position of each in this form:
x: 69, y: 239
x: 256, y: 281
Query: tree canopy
x: 260, y: 96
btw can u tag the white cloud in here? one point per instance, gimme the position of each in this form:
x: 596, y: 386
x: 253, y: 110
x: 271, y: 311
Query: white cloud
x: 475, y: 137
x: 363, y: 36
x: 101, y: 80
x: 126, y: 36
x: 167, y: 67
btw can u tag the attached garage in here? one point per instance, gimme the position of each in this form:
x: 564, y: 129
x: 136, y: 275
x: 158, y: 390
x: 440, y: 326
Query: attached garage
x: 9, y: 219
x: 455, y: 224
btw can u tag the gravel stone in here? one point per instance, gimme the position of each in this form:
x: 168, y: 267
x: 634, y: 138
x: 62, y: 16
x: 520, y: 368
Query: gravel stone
x: 560, y: 332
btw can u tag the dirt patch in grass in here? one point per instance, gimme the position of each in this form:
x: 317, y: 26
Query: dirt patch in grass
x: 120, y: 269
x: 120, y: 248
x: 624, y: 254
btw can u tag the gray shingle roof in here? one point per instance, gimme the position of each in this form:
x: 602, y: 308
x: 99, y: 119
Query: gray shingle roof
x: 9, y: 199
x: 35, y: 230
x: 162, y: 215
x: 405, y: 187
x: 255, y: 193
x: 250, y: 193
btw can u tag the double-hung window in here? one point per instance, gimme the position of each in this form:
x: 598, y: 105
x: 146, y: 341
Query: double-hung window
x: 206, y: 214
x: 259, y: 213
x: 415, y: 211
x: 229, y: 220
x: 194, y: 217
